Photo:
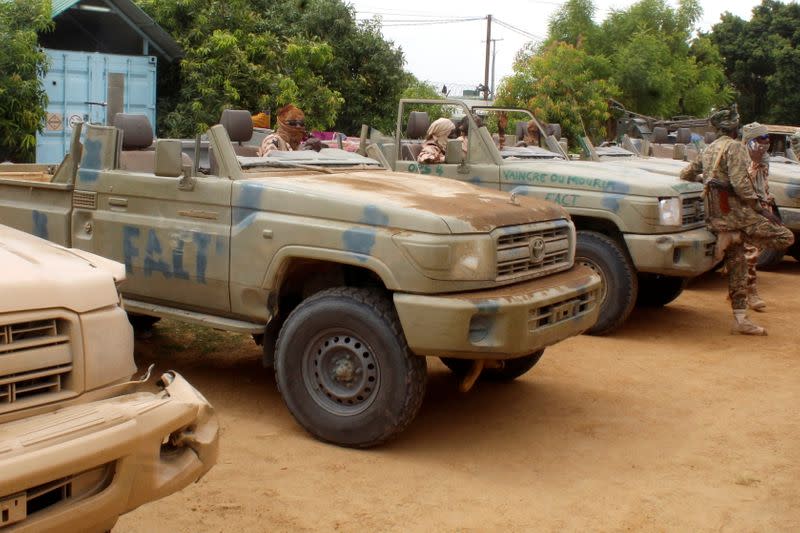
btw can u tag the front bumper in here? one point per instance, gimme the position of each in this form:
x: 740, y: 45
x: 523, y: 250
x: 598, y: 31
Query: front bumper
x: 79, y: 468
x: 686, y: 254
x: 503, y: 323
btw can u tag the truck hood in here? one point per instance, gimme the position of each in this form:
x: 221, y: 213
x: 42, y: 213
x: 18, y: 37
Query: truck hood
x: 37, y: 274
x: 619, y: 177
x: 426, y: 204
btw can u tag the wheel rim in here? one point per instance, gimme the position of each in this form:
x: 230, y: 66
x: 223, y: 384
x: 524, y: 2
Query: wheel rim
x: 583, y: 261
x: 341, y: 372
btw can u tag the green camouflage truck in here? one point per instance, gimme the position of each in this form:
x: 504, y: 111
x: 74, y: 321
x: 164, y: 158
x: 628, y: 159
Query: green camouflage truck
x: 349, y: 274
x: 643, y: 232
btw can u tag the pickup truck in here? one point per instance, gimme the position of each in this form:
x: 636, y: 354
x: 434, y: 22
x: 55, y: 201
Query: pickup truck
x: 784, y: 185
x: 643, y: 233
x: 80, y: 444
x: 347, y: 273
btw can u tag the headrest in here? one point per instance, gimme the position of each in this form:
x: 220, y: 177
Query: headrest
x: 238, y: 123
x: 553, y: 129
x: 521, y: 129
x: 418, y: 123
x: 137, y: 133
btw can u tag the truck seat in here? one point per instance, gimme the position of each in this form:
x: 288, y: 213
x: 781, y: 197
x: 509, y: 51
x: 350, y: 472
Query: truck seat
x: 417, y: 126
x: 137, y: 138
x: 239, y: 125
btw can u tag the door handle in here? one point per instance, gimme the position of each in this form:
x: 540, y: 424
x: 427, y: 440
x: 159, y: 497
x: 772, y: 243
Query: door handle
x: 118, y: 202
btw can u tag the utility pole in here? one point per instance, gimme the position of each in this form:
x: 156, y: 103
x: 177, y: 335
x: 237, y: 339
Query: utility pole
x: 494, y: 60
x: 486, y: 65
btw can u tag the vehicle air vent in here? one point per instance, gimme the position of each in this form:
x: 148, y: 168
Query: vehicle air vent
x: 84, y: 200
x: 19, y: 386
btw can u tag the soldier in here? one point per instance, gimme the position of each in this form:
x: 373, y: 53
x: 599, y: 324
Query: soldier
x: 733, y: 211
x: 290, y: 133
x: 756, y: 139
x: 433, y: 149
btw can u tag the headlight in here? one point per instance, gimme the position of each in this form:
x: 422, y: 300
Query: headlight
x: 467, y: 258
x: 669, y: 212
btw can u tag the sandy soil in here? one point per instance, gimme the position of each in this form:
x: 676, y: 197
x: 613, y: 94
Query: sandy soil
x: 669, y: 424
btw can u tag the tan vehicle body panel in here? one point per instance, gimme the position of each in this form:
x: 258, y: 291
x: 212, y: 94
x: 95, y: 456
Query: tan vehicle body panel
x: 80, y: 444
x: 222, y: 246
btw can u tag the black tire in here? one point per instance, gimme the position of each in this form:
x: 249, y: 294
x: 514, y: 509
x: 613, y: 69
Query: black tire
x: 372, y: 386
x: 142, y: 323
x: 794, y: 250
x: 658, y: 291
x: 620, y: 282
x: 769, y: 258
x: 510, y: 370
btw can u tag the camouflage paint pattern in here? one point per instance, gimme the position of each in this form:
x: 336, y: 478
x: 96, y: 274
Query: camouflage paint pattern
x: 224, y: 246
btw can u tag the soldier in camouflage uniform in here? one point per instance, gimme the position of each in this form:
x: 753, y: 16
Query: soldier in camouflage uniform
x: 733, y: 211
x: 756, y: 138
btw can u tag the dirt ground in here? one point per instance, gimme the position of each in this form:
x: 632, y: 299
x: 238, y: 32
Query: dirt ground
x: 670, y: 424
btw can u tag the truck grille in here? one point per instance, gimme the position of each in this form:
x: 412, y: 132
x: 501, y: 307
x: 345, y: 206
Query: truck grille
x: 35, y: 358
x: 529, y: 250
x: 555, y: 313
x: 694, y: 210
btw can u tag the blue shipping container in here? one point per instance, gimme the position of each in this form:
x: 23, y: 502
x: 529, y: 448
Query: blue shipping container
x: 92, y: 87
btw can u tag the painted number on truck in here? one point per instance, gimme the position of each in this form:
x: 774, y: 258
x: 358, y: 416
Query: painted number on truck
x: 168, y: 262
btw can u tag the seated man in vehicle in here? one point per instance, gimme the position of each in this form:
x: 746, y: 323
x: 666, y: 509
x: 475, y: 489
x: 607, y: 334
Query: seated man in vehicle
x: 290, y: 133
x: 532, y: 135
x: 433, y: 150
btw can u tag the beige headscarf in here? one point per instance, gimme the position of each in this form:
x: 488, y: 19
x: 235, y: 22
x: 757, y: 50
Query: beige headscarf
x: 753, y: 130
x: 439, y: 131
x: 291, y: 134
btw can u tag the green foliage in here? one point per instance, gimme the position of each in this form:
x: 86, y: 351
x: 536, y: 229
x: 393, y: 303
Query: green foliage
x: 645, y: 54
x: 559, y: 84
x: 762, y: 61
x: 23, y: 101
x: 258, y: 54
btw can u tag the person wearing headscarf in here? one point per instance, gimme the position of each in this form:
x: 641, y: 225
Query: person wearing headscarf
x: 433, y: 150
x: 756, y: 139
x: 289, y: 134
x: 734, y: 212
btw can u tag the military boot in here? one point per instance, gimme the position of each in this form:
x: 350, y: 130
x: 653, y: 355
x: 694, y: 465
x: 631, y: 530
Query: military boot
x: 754, y: 301
x: 743, y: 326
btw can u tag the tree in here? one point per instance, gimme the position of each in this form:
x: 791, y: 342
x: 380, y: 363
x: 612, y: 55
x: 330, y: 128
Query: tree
x: 232, y: 59
x: 762, y: 60
x: 258, y: 54
x: 23, y: 101
x: 558, y: 84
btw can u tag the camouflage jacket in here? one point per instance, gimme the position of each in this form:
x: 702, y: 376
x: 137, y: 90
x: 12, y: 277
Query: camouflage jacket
x: 431, y: 153
x: 272, y: 142
x: 728, y: 204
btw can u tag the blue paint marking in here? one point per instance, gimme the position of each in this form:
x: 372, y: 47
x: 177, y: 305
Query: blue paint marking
x: 177, y: 262
x: 40, y: 224
x: 250, y: 196
x: 243, y: 216
x: 129, y: 249
x: 91, y: 161
x: 361, y: 240
x: 611, y: 201
x: 202, y: 240
x: 475, y: 180
x: 488, y: 307
x: 153, y: 262
x: 793, y: 191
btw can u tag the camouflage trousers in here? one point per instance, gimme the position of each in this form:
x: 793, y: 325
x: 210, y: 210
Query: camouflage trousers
x: 761, y: 235
x: 751, y: 256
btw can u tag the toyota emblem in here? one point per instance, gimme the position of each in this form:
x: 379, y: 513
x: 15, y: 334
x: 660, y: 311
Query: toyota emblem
x: 537, y: 249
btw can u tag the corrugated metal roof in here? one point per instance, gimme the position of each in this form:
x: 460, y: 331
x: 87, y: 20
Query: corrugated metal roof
x: 138, y: 19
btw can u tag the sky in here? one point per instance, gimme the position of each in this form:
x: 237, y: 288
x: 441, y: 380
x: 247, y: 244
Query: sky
x: 440, y: 48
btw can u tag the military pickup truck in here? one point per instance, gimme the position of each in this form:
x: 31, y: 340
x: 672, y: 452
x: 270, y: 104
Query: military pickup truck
x: 784, y: 185
x: 348, y: 274
x: 80, y: 444
x: 644, y: 233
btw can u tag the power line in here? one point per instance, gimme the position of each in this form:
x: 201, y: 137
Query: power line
x: 517, y: 30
